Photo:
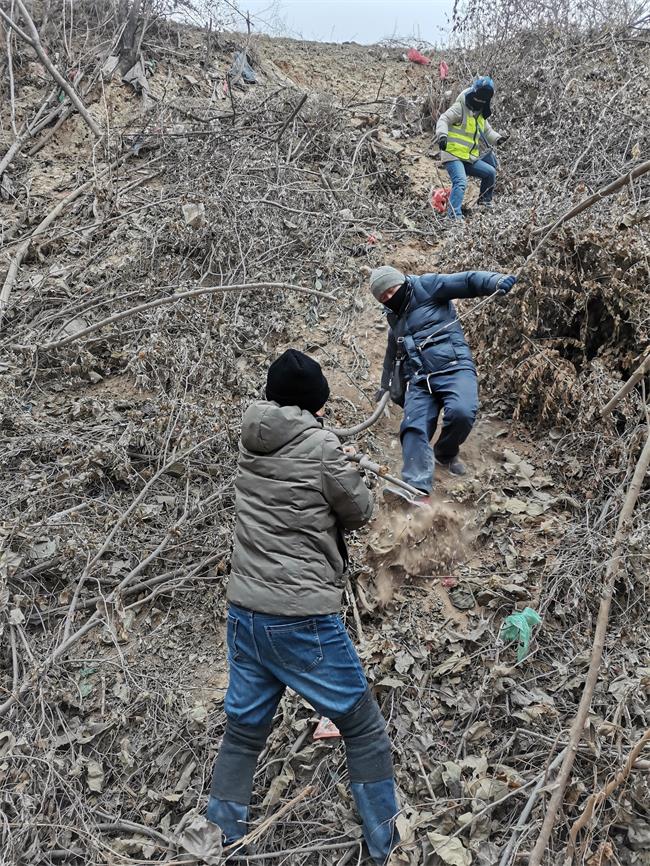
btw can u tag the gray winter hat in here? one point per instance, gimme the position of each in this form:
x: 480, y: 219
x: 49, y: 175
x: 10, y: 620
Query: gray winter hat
x: 384, y: 278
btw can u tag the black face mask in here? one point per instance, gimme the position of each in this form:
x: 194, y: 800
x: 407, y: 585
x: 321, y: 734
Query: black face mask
x: 477, y: 102
x: 396, y: 303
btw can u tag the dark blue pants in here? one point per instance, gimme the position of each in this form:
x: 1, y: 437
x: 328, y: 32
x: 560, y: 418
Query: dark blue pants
x: 484, y: 168
x: 316, y: 658
x: 457, y: 392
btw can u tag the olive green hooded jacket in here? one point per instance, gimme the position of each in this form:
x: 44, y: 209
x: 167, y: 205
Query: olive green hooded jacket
x: 294, y: 494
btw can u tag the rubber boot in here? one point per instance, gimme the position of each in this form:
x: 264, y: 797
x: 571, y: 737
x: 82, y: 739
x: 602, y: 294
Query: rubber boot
x: 370, y: 768
x: 232, y: 779
x: 231, y: 817
x: 377, y: 805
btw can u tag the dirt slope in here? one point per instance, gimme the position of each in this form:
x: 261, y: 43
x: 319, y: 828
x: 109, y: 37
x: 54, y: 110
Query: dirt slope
x: 119, y: 447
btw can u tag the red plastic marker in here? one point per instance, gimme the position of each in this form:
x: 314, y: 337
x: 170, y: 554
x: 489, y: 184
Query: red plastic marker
x: 439, y: 199
x: 326, y: 729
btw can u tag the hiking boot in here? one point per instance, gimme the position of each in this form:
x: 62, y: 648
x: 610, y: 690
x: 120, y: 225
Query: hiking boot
x: 486, y: 204
x: 455, y: 466
x: 394, y: 495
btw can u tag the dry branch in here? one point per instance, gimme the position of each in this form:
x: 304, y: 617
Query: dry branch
x: 272, y: 819
x: 522, y: 821
x: 586, y: 203
x: 10, y: 71
x: 44, y: 224
x: 597, y: 798
x: 33, y: 39
x: 634, y: 379
x: 293, y: 114
x: 26, y: 132
x: 577, y: 728
x: 184, y: 296
x: 96, y: 618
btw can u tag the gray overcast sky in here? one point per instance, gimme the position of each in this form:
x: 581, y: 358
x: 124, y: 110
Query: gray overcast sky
x: 365, y: 21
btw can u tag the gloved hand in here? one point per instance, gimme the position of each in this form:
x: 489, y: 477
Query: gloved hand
x: 442, y: 142
x: 505, y: 284
x: 379, y: 393
x: 503, y: 138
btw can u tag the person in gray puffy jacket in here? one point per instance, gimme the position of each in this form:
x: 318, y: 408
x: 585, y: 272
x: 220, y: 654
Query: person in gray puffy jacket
x: 295, y: 494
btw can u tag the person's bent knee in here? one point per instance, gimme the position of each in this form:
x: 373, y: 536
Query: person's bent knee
x: 461, y: 416
x: 249, y: 737
x: 413, y: 428
x: 367, y: 746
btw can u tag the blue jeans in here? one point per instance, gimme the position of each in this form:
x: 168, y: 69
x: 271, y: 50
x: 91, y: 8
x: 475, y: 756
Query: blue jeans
x: 485, y: 168
x: 457, y: 392
x: 316, y: 658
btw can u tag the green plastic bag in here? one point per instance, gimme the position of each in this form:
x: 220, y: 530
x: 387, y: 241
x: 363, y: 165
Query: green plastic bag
x: 520, y: 626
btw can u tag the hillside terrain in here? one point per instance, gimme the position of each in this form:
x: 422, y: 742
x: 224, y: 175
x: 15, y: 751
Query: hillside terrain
x: 148, y: 275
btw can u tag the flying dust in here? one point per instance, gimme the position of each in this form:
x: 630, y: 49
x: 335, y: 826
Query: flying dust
x: 407, y: 542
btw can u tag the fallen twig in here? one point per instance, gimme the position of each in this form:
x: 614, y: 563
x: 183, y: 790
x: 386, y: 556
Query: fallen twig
x: 96, y: 618
x: 28, y: 130
x: 272, y: 819
x: 521, y: 824
x: 46, y: 222
x: 291, y: 117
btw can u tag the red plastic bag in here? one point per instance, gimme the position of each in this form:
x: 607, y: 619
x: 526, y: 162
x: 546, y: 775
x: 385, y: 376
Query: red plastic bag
x: 443, y: 70
x: 415, y: 57
x: 439, y: 198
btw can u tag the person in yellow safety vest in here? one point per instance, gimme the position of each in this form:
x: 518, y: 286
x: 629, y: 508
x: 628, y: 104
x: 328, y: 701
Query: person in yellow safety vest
x: 460, y: 131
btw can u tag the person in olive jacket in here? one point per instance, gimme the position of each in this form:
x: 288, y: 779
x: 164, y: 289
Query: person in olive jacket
x: 436, y: 363
x: 295, y: 493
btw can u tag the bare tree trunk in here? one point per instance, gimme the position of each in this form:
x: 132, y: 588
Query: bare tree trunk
x: 127, y: 47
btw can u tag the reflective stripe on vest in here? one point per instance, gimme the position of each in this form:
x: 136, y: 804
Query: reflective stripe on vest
x: 462, y: 139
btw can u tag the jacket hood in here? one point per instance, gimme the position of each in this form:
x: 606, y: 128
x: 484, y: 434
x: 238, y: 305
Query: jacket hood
x: 267, y: 427
x: 483, y: 83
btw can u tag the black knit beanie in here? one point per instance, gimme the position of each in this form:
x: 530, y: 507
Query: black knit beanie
x: 295, y: 379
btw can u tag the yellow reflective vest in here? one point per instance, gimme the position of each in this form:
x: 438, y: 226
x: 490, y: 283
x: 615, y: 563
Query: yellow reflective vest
x: 462, y: 138
x: 464, y: 129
